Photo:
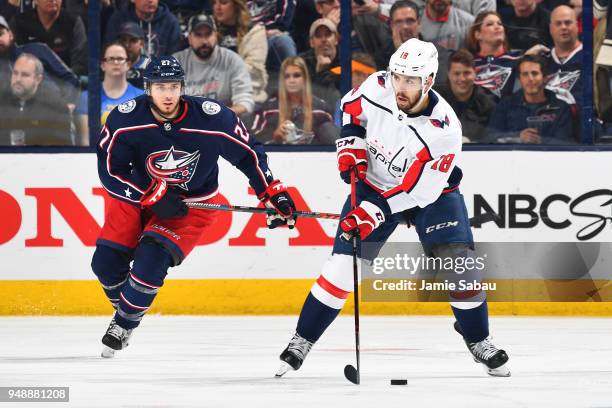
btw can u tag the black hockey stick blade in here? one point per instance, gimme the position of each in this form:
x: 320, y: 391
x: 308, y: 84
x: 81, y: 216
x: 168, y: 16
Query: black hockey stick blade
x: 351, y: 374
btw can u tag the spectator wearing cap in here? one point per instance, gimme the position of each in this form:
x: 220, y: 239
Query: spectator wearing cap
x: 445, y: 25
x: 239, y: 34
x: 161, y: 27
x: 533, y: 114
x: 472, y: 103
x: 132, y: 36
x: 59, y: 78
x: 405, y: 23
x: 527, y: 25
x: 276, y: 16
x: 214, y: 71
x: 62, y: 31
x: 321, y: 58
x: 29, y: 115
x: 115, y: 87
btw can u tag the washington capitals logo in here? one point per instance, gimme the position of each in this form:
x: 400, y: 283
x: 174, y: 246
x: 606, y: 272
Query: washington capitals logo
x: 439, y: 123
x: 174, y: 166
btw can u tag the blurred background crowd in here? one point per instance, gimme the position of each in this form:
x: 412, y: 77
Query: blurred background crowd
x: 511, y: 69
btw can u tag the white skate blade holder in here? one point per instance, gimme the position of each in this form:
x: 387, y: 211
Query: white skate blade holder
x: 283, y: 369
x: 107, y: 352
x: 502, y: 371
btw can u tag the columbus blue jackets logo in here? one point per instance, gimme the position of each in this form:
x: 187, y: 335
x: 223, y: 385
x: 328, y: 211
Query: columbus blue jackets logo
x: 175, y: 166
x: 440, y: 123
x: 562, y: 83
x: 127, y: 107
x: 493, y: 77
x: 211, y: 108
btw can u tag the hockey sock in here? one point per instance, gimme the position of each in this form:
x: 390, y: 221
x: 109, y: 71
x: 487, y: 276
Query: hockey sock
x: 474, y: 322
x: 315, y: 318
x: 111, y: 267
x: 151, y: 263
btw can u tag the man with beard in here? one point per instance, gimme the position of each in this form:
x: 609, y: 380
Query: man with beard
x: 445, y: 25
x: 322, y: 57
x: 28, y: 114
x: 405, y: 22
x: 401, y: 141
x: 213, y: 71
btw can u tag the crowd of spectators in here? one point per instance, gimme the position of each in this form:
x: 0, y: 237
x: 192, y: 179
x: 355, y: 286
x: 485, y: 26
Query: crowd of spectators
x: 511, y: 69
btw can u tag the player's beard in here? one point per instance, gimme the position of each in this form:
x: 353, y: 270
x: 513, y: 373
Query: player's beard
x: 405, y: 102
x: 204, y: 51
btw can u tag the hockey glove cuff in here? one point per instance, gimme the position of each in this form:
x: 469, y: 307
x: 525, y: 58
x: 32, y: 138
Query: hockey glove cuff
x: 163, y: 200
x: 277, y: 197
x: 352, y: 156
x: 363, y: 219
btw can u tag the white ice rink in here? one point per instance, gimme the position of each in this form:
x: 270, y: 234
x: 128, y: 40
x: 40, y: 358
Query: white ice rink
x: 231, y: 361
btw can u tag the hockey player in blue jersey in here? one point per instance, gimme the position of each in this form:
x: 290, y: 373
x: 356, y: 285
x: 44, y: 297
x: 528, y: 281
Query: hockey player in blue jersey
x: 157, y: 153
x: 403, y: 140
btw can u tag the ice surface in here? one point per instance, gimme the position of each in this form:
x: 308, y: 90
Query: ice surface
x: 231, y: 361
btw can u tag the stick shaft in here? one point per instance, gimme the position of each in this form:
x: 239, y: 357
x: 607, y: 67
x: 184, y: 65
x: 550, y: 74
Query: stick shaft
x: 258, y: 210
x: 355, y: 276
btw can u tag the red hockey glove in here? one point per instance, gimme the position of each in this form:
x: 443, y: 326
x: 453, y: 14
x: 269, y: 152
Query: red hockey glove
x: 352, y: 154
x: 276, y: 196
x: 163, y: 200
x: 365, y: 218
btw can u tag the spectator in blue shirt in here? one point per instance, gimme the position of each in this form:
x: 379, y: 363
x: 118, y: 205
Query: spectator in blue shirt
x: 115, y: 87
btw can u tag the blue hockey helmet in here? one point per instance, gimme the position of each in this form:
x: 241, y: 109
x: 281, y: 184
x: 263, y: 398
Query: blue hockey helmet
x: 163, y: 69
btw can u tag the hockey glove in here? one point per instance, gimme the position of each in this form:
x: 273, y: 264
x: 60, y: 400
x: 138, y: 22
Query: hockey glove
x: 352, y: 156
x: 365, y: 219
x: 276, y: 196
x: 163, y: 200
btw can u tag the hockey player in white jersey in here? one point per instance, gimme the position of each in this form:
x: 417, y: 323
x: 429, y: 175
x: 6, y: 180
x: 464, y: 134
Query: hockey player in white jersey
x: 402, y: 140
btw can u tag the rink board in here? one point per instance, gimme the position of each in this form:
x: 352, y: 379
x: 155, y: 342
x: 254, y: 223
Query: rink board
x: 53, y: 207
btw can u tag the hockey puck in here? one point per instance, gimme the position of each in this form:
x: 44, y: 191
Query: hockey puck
x: 399, y: 382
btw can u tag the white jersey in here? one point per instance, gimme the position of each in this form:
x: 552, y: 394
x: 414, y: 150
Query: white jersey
x: 410, y: 158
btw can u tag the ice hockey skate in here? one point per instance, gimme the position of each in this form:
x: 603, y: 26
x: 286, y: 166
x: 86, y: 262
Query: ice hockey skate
x: 116, y: 338
x: 293, y: 356
x: 484, y: 352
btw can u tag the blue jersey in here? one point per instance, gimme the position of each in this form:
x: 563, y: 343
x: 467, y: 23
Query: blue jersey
x: 564, y: 78
x: 497, y: 73
x: 134, y: 148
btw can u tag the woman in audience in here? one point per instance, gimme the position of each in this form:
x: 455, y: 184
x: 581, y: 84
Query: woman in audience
x: 295, y: 116
x: 495, y: 63
x: 237, y: 33
x: 115, y: 88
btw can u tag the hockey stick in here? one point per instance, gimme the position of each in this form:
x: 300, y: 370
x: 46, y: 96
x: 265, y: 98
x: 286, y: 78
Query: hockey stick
x: 478, y: 219
x: 257, y: 210
x: 350, y: 372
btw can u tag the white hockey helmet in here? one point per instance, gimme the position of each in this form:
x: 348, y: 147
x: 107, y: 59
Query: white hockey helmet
x: 415, y: 58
